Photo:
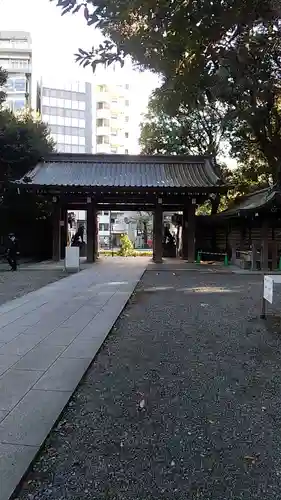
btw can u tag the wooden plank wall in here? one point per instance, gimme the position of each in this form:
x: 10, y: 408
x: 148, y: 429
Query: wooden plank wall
x: 237, y: 238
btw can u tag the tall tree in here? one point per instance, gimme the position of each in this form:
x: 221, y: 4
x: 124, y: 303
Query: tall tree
x: 200, y: 130
x: 24, y: 139
x: 228, y: 51
x: 170, y: 37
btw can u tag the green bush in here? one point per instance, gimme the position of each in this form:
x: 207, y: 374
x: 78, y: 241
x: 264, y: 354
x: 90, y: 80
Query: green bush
x: 126, y: 248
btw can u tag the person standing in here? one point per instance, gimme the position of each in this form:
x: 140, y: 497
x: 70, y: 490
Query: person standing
x: 12, y: 251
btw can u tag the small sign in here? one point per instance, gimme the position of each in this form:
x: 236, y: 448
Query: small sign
x: 268, y: 289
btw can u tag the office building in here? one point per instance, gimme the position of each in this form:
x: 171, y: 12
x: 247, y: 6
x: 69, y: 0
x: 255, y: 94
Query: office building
x: 16, y: 59
x: 93, y: 118
x: 67, y: 108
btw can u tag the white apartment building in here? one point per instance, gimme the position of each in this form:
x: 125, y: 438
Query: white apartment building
x: 16, y: 59
x: 112, y: 118
x: 116, y: 131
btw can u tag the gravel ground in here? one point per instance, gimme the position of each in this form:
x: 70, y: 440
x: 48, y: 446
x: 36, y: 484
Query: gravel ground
x: 182, y: 402
x: 14, y: 285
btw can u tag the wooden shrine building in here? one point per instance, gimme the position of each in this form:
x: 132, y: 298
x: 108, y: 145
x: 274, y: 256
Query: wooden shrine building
x: 122, y: 182
x: 249, y: 229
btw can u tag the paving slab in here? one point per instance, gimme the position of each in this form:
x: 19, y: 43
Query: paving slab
x: 64, y: 374
x: 6, y: 361
x: 19, y: 345
x: 83, y: 349
x: 41, y: 357
x: 48, y: 339
x: 62, y: 336
x: 13, y: 460
x: 14, y: 384
x: 29, y: 422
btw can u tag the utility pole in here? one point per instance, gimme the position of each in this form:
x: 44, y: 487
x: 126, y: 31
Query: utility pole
x: 27, y: 90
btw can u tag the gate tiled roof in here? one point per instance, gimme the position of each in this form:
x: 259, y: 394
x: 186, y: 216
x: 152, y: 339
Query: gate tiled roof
x: 124, y: 171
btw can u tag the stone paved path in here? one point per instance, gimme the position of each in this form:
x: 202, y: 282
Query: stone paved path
x: 182, y: 402
x: 27, y: 279
x: 48, y: 339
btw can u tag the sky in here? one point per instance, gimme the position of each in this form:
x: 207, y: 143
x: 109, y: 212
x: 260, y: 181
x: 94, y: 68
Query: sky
x: 56, y: 38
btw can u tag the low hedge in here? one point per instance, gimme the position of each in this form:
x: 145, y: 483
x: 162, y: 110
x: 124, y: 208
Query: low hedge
x: 115, y: 253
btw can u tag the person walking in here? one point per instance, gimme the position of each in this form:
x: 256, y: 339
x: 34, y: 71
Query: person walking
x: 12, y: 251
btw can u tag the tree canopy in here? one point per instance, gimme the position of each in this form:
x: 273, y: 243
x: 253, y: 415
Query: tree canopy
x: 198, y: 130
x: 207, y: 53
x: 172, y: 37
x: 3, y: 79
x: 24, y: 139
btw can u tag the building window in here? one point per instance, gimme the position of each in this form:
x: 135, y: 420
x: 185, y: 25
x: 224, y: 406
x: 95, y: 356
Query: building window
x: 127, y: 135
x: 20, y: 84
x: 126, y: 119
x: 127, y: 103
x: 103, y: 226
x: 114, y: 151
x: 127, y: 86
x: 102, y: 122
x: 126, y: 151
x: 114, y: 131
x: 102, y: 105
x: 75, y: 105
x: 19, y: 104
x: 102, y: 139
x: 102, y: 88
x: 82, y: 105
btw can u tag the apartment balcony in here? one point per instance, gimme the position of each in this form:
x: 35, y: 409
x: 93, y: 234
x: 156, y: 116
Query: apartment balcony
x: 103, y: 113
x: 23, y: 51
x: 12, y: 67
x: 103, y: 148
x: 103, y: 131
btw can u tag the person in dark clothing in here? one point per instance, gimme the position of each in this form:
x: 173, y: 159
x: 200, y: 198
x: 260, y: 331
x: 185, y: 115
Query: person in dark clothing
x: 12, y: 251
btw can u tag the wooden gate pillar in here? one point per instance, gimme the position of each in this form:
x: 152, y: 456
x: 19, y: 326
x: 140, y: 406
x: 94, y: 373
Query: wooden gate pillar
x: 92, y: 232
x: 63, y: 231
x: 184, y: 233
x: 191, y: 233
x: 158, y: 234
x: 188, y: 232
x: 56, y: 232
x: 264, y: 245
